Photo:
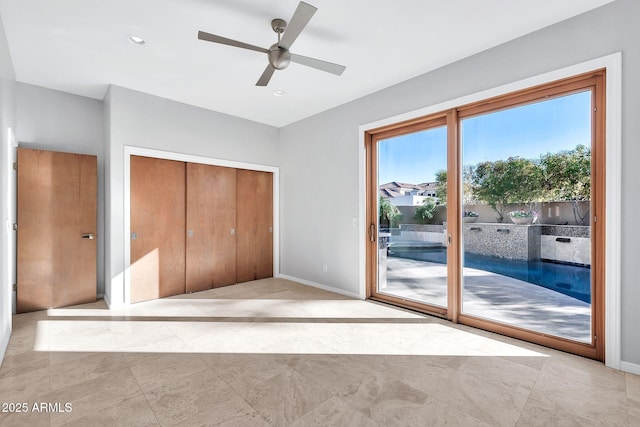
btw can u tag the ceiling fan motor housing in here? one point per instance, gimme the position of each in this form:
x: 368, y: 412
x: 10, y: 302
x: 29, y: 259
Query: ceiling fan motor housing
x: 279, y: 58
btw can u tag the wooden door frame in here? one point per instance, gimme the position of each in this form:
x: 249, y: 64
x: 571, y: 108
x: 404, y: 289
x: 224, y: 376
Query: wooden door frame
x: 593, y: 82
x: 372, y: 137
x: 613, y: 96
x: 168, y: 155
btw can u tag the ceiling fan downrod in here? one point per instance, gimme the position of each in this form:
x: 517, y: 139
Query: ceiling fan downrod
x: 279, y: 57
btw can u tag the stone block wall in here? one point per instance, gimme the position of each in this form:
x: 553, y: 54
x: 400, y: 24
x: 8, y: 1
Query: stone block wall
x: 566, y: 243
x: 521, y: 242
x: 421, y: 233
x: 558, y: 243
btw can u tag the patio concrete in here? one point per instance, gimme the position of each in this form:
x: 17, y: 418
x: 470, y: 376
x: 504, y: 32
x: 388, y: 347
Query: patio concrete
x: 492, y: 296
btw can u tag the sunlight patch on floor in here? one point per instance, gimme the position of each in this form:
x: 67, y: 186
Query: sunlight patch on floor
x: 256, y: 337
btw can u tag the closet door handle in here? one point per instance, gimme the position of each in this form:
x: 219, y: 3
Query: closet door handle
x: 89, y: 236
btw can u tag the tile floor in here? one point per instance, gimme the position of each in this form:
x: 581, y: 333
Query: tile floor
x: 277, y: 353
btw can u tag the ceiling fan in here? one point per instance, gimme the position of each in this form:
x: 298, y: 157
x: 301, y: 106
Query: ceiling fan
x: 278, y: 53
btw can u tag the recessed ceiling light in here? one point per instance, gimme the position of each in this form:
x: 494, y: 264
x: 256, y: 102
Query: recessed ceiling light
x: 279, y: 92
x: 137, y: 40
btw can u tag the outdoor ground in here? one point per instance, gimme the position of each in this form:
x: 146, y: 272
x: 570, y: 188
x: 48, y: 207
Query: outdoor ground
x: 493, y: 296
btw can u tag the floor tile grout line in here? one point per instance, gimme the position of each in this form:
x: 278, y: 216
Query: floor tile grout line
x: 252, y: 407
x: 294, y: 370
x: 237, y: 392
x: 146, y: 399
x: 535, y: 382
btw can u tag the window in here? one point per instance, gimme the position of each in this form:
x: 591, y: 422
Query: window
x: 508, y: 239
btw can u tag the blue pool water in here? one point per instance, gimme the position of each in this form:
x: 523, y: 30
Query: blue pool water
x: 571, y: 280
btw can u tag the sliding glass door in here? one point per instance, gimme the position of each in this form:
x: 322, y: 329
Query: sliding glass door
x: 412, y: 256
x: 486, y: 214
x: 410, y: 205
x: 527, y: 190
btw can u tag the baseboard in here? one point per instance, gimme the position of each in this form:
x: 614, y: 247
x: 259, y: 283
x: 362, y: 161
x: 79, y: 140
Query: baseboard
x: 106, y: 300
x: 320, y: 286
x: 4, y: 342
x: 631, y: 368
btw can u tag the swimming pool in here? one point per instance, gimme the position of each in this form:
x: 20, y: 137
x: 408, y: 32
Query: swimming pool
x: 571, y: 280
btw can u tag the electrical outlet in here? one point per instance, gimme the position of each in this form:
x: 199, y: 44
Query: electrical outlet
x: 325, y: 268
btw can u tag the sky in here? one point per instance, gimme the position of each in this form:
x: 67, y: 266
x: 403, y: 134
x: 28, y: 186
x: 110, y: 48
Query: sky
x: 527, y: 131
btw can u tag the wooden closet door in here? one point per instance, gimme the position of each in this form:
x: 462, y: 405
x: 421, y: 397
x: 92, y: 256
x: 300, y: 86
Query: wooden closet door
x: 255, y: 225
x: 57, y: 213
x: 211, y: 223
x: 157, y: 228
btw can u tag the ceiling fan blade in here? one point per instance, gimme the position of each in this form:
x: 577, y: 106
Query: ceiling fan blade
x: 223, y: 40
x: 266, y: 76
x: 299, y: 20
x: 329, y: 67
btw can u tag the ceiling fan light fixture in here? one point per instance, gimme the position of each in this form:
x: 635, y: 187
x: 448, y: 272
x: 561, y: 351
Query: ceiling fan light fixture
x: 136, y: 40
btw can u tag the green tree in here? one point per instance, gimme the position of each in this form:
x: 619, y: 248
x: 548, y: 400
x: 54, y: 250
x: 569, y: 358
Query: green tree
x: 425, y: 212
x: 468, y: 195
x: 441, y: 186
x: 567, y: 176
x: 504, y: 182
x: 387, y: 212
x: 561, y: 176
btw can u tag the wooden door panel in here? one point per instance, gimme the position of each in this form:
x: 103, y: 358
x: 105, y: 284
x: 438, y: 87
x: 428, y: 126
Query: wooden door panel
x: 255, y: 225
x: 264, y: 234
x: 157, y: 228
x: 57, y: 205
x: 246, y: 226
x: 211, y: 223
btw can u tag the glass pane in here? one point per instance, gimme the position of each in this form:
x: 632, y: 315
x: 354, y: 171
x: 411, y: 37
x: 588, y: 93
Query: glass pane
x: 412, y: 259
x: 526, y: 221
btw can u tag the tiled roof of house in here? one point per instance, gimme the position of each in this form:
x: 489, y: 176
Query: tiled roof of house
x: 392, y: 189
x: 388, y: 193
x: 398, y: 185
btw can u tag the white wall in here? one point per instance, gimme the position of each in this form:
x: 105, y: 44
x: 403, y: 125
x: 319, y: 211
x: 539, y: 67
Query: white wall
x: 7, y: 215
x: 59, y: 121
x: 322, y: 152
x: 319, y: 199
x: 136, y: 119
x: 407, y: 200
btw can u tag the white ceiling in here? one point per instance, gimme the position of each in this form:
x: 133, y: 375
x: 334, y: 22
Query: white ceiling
x: 80, y: 46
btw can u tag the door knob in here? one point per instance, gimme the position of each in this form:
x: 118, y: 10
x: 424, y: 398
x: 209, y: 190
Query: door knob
x: 88, y: 236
